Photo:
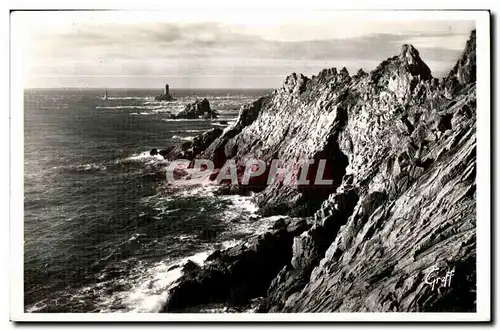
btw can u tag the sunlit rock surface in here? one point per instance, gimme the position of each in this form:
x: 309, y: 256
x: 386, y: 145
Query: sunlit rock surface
x: 400, y: 147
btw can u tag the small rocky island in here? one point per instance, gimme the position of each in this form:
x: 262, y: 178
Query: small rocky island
x: 166, y: 96
x: 197, y: 109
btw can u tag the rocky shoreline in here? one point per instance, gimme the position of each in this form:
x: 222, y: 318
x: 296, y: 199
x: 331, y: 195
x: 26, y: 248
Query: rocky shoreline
x: 400, y: 148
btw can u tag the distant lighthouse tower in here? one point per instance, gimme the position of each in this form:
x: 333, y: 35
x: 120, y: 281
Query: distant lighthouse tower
x: 166, y: 96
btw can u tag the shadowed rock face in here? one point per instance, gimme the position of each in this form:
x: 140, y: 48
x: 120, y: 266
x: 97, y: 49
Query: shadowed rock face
x: 401, y: 149
x: 464, y: 71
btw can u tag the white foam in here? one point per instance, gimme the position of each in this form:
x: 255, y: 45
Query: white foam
x: 149, y: 290
x: 188, y: 138
x: 84, y: 167
x: 194, y: 130
x: 219, y: 124
x: 142, y: 114
x: 148, y: 285
x: 244, y: 203
x: 130, y: 107
x: 183, y: 120
x: 143, y: 156
x: 129, y: 98
x: 36, y: 307
x: 135, y: 236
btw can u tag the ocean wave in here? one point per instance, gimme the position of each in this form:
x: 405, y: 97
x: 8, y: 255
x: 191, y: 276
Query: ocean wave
x: 121, y: 107
x: 188, y: 138
x: 220, y: 124
x: 152, y: 108
x: 242, y: 203
x: 192, y: 131
x: 149, y: 285
x: 143, y: 114
x: 130, y: 98
x: 91, y: 167
x: 37, y: 306
x: 160, y: 110
x: 145, y: 157
x: 136, y: 236
x: 143, y: 287
x: 184, y: 120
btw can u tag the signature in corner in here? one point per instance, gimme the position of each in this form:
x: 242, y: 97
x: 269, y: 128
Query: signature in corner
x: 432, y: 278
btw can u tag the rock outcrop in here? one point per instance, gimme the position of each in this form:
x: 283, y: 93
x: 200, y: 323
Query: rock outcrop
x: 306, y: 119
x: 166, y: 96
x: 189, y: 149
x: 240, y: 273
x: 197, y: 109
x: 400, y: 148
x: 464, y: 71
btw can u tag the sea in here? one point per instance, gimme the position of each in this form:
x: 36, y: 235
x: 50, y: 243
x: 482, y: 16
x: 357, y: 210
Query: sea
x: 103, y: 230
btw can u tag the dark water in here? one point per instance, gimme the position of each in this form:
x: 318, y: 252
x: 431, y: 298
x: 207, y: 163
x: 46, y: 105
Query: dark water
x: 101, y: 225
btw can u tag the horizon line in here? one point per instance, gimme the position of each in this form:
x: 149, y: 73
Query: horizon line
x: 143, y: 88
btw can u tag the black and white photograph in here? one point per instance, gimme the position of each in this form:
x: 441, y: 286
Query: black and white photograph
x: 317, y: 165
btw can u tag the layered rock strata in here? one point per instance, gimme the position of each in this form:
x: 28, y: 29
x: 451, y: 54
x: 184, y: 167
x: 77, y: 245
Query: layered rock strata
x: 400, y: 148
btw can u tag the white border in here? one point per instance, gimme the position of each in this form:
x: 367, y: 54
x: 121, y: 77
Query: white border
x: 483, y: 192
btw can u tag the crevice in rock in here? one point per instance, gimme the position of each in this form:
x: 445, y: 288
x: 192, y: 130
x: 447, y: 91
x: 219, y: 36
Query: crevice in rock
x: 336, y: 163
x: 308, y: 250
x: 445, y: 122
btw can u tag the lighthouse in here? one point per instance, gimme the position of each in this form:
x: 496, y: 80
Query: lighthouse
x: 166, y: 96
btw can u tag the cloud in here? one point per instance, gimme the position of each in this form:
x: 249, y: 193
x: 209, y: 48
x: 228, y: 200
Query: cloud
x: 112, y: 49
x: 211, y: 39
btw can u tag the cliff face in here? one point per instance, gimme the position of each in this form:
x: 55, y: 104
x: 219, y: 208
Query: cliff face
x: 351, y: 122
x: 400, y: 147
x: 464, y: 71
x: 411, y: 216
x: 412, y: 168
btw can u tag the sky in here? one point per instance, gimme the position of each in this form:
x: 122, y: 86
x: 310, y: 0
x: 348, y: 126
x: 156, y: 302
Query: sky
x: 223, y: 50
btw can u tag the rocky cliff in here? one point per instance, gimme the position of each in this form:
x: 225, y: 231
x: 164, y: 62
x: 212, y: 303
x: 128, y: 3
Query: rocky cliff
x: 400, y: 148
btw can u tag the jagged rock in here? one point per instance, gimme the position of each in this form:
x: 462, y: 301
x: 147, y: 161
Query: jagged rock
x: 361, y: 73
x: 312, y: 114
x: 464, y: 71
x: 175, y: 266
x: 401, y: 75
x: 197, y: 109
x: 190, y: 267
x: 378, y: 262
x: 388, y: 244
x: 344, y: 72
x: 153, y: 152
x: 188, y: 149
x: 237, y: 274
x: 295, y: 84
x: 401, y: 151
x: 165, y: 152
